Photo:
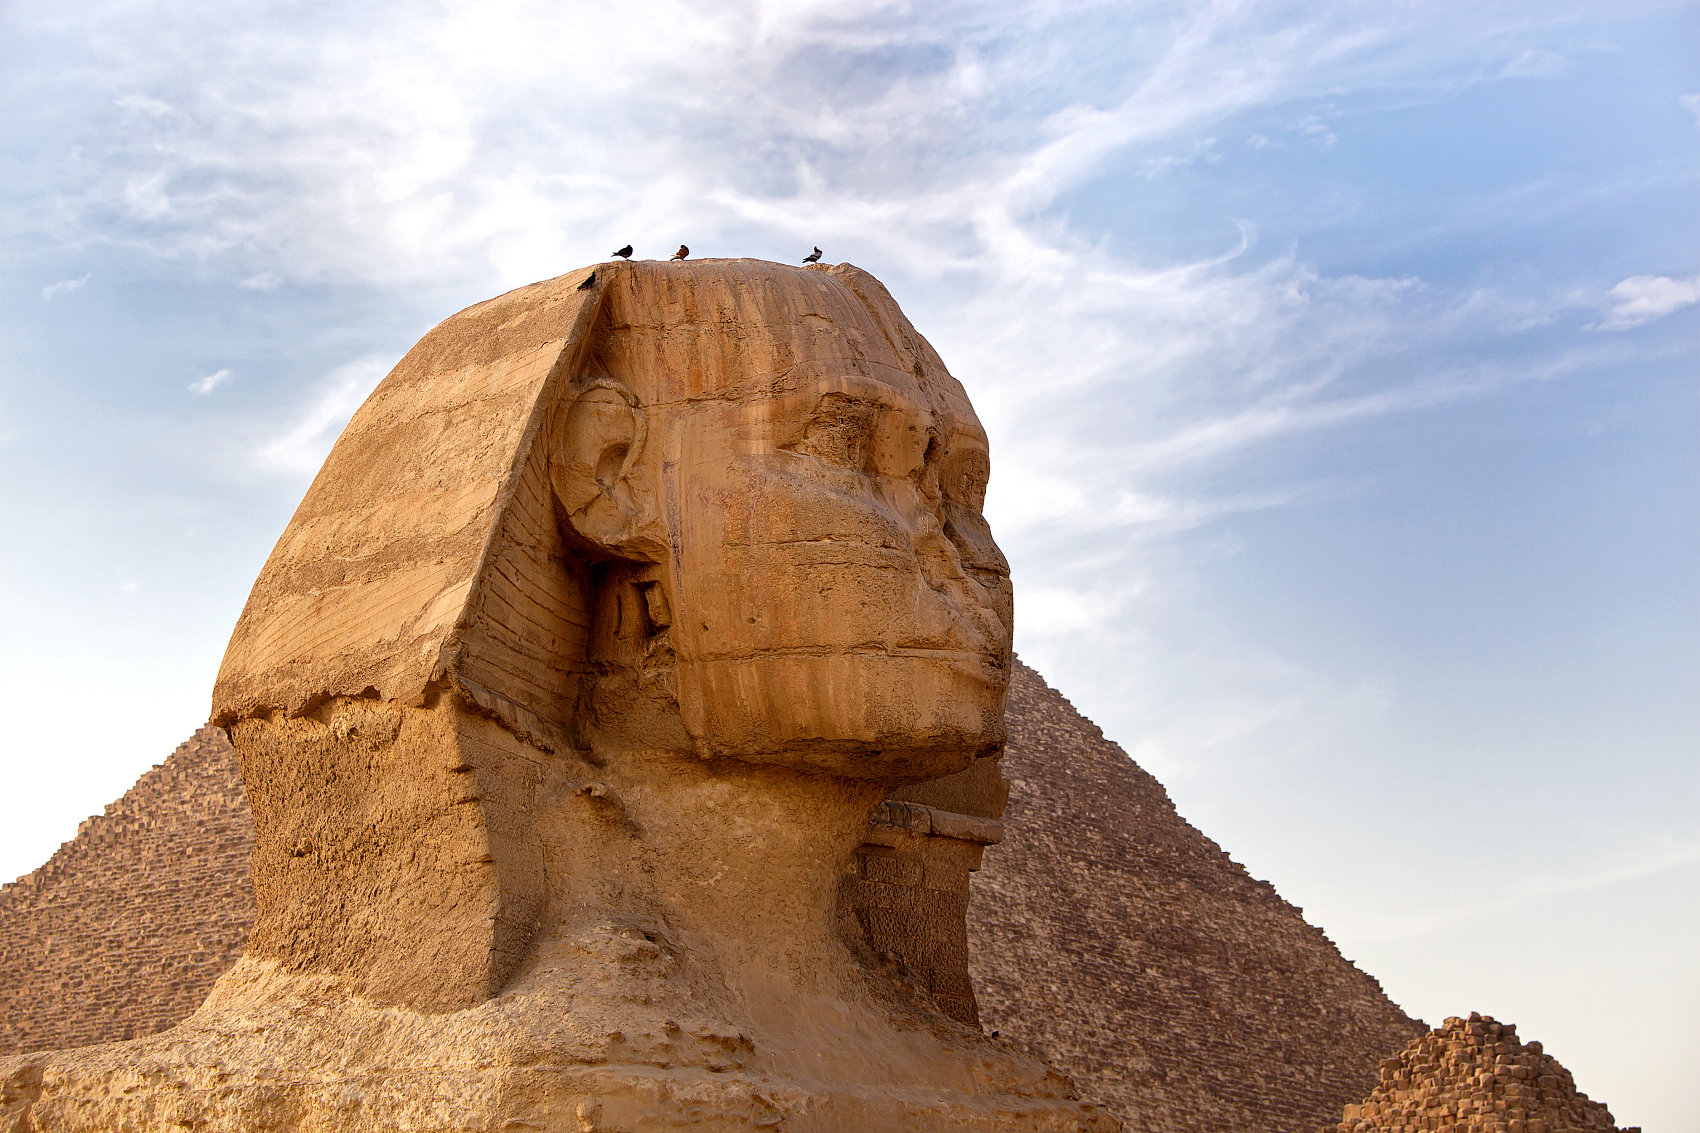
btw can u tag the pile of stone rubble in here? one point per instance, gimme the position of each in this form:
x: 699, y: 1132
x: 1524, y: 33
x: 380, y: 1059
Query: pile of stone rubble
x: 1474, y: 1076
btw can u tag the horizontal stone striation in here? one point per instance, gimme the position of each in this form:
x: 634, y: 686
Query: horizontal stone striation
x: 1474, y: 1076
x: 1110, y: 937
x: 124, y: 930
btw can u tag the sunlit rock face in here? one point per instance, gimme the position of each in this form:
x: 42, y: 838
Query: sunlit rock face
x: 1476, y: 1076
x: 563, y: 705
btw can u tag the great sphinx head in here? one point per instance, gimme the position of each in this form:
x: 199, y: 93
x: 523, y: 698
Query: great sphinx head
x: 718, y: 513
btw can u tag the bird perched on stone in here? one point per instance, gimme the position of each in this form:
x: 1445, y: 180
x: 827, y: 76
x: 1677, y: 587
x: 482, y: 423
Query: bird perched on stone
x: 813, y: 257
x: 681, y: 253
x: 625, y: 253
x: 589, y: 282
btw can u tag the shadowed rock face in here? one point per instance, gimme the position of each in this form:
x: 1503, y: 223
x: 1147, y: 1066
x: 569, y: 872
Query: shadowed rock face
x: 563, y: 705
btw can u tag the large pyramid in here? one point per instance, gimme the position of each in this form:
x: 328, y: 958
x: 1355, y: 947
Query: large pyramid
x: 1107, y: 934
x: 1113, y: 938
x: 125, y: 929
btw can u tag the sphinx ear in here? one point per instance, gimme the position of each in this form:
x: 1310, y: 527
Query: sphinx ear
x: 593, y: 453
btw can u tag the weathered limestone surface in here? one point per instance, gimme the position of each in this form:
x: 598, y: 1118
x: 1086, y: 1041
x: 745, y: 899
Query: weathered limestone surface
x: 1475, y: 1076
x: 1113, y: 938
x: 1089, y: 890
x: 563, y: 707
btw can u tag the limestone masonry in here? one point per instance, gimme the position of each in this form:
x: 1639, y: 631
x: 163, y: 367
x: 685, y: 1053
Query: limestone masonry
x: 1112, y: 937
x: 1105, y: 932
x: 1474, y: 1076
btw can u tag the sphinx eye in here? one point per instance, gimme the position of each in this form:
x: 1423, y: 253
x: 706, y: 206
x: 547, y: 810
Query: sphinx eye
x: 841, y: 431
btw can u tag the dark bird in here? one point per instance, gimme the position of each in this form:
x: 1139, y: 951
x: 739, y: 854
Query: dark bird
x: 812, y: 257
x: 681, y: 253
x: 589, y: 282
x: 625, y: 253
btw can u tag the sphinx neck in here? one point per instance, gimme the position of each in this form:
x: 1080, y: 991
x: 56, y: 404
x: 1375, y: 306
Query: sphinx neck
x: 736, y: 863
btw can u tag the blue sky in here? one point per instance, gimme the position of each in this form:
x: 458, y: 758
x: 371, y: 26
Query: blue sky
x: 1339, y: 360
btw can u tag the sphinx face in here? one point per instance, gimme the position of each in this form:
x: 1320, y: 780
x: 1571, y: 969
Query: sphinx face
x: 846, y: 603
x: 838, y: 601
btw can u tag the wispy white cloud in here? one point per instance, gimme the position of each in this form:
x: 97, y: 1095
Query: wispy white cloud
x: 1531, y: 887
x: 209, y: 383
x: 142, y: 104
x: 301, y: 447
x: 1536, y: 63
x: 885, y: 133
x: 882, y: 134
x: 446, y: 150
x: 1318, y: 133
x: 65, y: 285
x: 1642, y: 299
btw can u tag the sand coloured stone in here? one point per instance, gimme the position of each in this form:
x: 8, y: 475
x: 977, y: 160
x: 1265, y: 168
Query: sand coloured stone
x: 563, y: 706
x: 1476, y: 1076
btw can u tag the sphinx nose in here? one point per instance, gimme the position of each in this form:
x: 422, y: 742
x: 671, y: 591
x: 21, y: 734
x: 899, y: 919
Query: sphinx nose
x: 935, y: 550
x: 959, y: 545
x: 979, y: 553
x: 970, y: 573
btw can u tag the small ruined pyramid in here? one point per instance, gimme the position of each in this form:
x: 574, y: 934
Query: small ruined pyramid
x: 1107, y: 936
x: 1474, y: 1076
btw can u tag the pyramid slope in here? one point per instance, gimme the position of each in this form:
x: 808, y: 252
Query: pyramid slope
x: 1475, y: 1076
x: 1112, y: 937
x: 1107, y: 935
x: 124, y: 930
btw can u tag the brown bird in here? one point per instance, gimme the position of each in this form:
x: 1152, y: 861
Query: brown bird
x: 681, y: 253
